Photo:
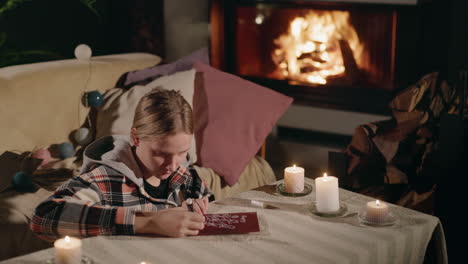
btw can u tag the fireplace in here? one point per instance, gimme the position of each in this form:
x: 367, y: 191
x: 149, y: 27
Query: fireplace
x: 347, y: 56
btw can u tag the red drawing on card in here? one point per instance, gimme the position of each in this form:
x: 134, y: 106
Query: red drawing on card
x: 230, y: 223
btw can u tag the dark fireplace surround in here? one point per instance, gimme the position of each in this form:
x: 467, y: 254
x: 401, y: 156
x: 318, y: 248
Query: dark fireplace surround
x: 391, y: 34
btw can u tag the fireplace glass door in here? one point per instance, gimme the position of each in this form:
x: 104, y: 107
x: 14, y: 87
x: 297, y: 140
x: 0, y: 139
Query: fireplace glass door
x: 346, y: 56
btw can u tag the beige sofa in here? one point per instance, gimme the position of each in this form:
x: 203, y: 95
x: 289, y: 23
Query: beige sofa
x: 40, y: 106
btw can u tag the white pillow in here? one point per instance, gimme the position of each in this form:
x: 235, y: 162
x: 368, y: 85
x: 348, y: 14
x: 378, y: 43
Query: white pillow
x: 115, y: 116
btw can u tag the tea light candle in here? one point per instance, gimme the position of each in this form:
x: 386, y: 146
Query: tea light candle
x: 67, y: 250
x: 326, y: 194
x: 294, y: 179
x: 376, y: 211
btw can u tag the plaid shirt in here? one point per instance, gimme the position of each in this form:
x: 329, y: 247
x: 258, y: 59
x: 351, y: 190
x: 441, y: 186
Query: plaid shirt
x: 104, y: 202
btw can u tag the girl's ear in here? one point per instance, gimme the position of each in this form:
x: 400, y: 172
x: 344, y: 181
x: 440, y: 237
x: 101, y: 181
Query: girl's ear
x: 134, y: 137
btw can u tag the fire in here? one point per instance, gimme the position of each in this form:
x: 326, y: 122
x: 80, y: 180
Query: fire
x: 311, y: 50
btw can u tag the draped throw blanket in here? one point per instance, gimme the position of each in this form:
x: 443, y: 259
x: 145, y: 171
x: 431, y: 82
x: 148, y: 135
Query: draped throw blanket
x: 402, y: 150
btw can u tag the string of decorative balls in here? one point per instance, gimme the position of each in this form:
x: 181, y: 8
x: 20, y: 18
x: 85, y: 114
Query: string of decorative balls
x: 22, y: 180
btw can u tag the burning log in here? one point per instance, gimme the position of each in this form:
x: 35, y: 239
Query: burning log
x: 352, y: 71
x: 308, y: 69
x: 315, y: 56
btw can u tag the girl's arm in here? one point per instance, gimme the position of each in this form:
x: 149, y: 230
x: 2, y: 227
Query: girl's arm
x: 78, y: 208
x: 86, y: 206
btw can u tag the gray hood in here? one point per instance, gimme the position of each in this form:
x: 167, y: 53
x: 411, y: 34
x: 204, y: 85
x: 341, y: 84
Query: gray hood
x: 115, y: 152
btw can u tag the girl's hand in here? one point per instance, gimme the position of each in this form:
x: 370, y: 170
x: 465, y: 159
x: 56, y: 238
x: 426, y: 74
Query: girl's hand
x: 173, y: 222
x: 197, y: 205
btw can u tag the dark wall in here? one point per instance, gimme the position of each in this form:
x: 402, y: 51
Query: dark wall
x: 445, y: 37
x: 39, y: 30
x: 458, y: 42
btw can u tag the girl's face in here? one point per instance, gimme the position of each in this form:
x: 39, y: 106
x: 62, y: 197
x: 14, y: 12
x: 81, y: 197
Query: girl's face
x: 161, y: 157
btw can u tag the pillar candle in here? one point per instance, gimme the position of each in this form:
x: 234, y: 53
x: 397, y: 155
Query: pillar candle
x: 327, y: 194
x: 294, y: 179
x: 67, y: 250
x: 376, y: 211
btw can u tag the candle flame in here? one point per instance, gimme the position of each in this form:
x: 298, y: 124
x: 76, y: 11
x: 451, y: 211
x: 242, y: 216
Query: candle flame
x: 67, y: 239
x: 294, y: 166
x: 325, y: 175
x: 377, y: 203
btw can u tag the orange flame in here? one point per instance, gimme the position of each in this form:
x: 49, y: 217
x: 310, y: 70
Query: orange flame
x: 310, y: 52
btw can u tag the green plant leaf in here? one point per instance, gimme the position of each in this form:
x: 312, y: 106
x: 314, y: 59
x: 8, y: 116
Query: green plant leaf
x: 3, y: 37
x: 90, y: 4
x: 10, y: 4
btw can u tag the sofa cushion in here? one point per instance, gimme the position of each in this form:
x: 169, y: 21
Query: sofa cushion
x: 145, y: 76
x: 257, y: 173
x: 115, y: 116
x: 233, y: 118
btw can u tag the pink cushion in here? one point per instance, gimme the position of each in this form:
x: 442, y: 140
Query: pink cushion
x: 233, y: 117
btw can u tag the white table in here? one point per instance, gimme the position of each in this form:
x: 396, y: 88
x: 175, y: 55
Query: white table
x: 290, y: 233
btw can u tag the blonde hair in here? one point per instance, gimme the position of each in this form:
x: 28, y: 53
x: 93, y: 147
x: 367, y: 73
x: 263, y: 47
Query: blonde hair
x: 162, y: 113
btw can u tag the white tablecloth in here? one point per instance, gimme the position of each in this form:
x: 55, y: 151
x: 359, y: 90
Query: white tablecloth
x: 289, y: 233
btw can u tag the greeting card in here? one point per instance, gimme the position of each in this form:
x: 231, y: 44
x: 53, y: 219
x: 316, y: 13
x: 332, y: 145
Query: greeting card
x: 230, y: 223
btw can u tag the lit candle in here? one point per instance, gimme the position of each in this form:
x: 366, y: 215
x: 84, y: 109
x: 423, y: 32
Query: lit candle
x: 294, y: 179
x: 376, y: 211
x: 67, y: 250
x: 326, y: 194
